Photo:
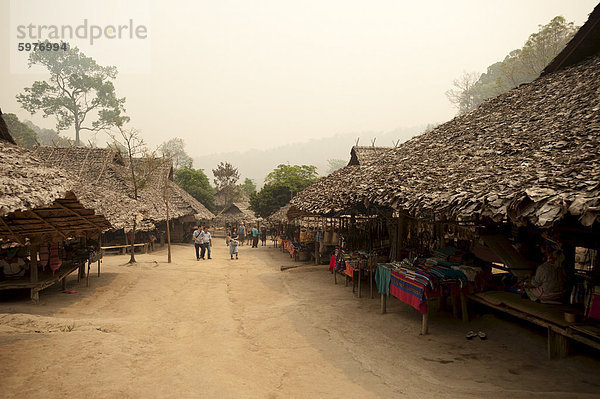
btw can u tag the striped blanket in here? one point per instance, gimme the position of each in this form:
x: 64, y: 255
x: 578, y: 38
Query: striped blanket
x: 408, y: 291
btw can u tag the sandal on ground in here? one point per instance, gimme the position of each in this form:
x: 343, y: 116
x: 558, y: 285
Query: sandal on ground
x: 482, y: 335
x: 471, y: 335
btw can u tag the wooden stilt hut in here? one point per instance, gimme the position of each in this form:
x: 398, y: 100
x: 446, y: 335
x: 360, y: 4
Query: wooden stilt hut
x: 38, y: 207
x: 520, y: 172
x: 109, y: 171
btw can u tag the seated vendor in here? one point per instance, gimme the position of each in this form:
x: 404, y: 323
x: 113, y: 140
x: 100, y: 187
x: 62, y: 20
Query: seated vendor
x: 548, y: 282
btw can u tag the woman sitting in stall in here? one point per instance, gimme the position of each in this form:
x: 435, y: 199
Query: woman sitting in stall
x: 548, y: 283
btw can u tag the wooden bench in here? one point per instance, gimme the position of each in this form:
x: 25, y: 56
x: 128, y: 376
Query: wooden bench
x: 125, y: 247
x: 547, y: 316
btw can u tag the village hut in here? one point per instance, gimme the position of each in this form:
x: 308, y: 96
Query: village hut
x: 345, y: 191
x: 109, y: 171
x: 38, y: 207
x: 521, y: 170
x: 235, y: 214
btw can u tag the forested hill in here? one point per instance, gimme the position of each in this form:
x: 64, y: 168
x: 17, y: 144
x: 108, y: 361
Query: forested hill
x: 256, y: 163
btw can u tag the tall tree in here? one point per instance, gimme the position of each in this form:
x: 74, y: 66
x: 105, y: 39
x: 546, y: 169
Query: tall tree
x: 23, y: 134
x: 132, y: 145
x: 280, y: 186
x: 248, y: 187
x: 295, y: 177
x: 519, y: 66
x: 78, y: 93
x: 175, y: 149
x: 462, y: 94
x: 226, y: 177
x: 195, y: 182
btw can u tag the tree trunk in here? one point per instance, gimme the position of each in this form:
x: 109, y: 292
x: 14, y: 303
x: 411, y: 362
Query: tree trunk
x: 168, y: 234
x: 132, y: 259
x: 77, y: 141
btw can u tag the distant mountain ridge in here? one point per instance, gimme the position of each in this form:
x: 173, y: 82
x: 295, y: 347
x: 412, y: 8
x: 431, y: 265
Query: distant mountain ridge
x: 256, y: 163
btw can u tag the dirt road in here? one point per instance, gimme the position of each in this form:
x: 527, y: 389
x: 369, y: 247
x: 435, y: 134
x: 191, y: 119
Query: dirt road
x: 244, y: 329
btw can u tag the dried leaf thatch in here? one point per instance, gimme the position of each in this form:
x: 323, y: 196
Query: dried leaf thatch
x: 236, y: 213
x: 113, y: 192
x: 530, y: 154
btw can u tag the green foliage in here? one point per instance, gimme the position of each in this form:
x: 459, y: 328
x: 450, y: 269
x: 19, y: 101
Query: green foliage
x: 77, y: 88
x: 249, y: 187
x: 175, y: 149
x: 518, y: 67
x: 225, y: 175
x: 49, y: 136
x: 295, y: 177
x: 195, y: 182
x: 280, y: 186
x: 335, y: 164
x: 23, y: 134
x: 269, y: 199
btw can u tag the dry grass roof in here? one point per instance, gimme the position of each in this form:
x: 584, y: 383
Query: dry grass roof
x: 365, y: 154
x: 38, y: 201
x: 280, y: 215
x: 108, y: 172
x: 530, y: 154
x: 236, y: 213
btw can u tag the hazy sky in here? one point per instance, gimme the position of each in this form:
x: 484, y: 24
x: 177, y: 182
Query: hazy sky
x: 233, y: 75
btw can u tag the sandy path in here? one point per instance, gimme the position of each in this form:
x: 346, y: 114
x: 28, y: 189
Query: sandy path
x: 232, y: 329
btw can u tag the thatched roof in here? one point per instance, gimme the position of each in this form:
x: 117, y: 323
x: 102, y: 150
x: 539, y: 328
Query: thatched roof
x: 236, y: 213
x: 365, y: 154
x: 184, y: 201
x: 280, y: 215
x: 37, y: 201
x: 585, y: 43
x: 530, y: 154
x: 110, y: 175
x: 344, y: 190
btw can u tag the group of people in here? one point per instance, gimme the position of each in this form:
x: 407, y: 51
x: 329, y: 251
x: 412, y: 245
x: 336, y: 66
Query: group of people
x: 252, y: 235
x: 202, y: 241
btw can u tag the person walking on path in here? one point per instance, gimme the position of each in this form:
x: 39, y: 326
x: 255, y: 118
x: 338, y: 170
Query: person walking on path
x: 206, y: 243
x: 197, y: 240
x: 241, y: 234
x: 255, y: 235
x: 263, y: 236
x: 233, y: 241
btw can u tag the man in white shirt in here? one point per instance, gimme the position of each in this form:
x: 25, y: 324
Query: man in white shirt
x: 197, y: 240
x: 206, y: 243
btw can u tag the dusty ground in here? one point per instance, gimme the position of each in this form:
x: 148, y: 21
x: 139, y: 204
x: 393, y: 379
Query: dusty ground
x: 244, y: 329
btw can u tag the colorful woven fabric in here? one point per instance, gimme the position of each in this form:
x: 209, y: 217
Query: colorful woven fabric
x: 409, y: 291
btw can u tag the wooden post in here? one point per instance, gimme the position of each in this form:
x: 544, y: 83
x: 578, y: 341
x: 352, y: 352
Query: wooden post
x: 316, y: 252
x: 383, y: 304
x: 82, y: 241
x: 101, y: 254
x: 558, y: 344
x: 87, y: 277
x: 463, y: 307
x: 168, y: 233
x: 359, y: 283
x: 334, y: 276
x: 64, y: 283
x: 425, y: 323
x: 454, y: 306
x: 124, y: 249
x: 371, y: 283
x: 33, y: 253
